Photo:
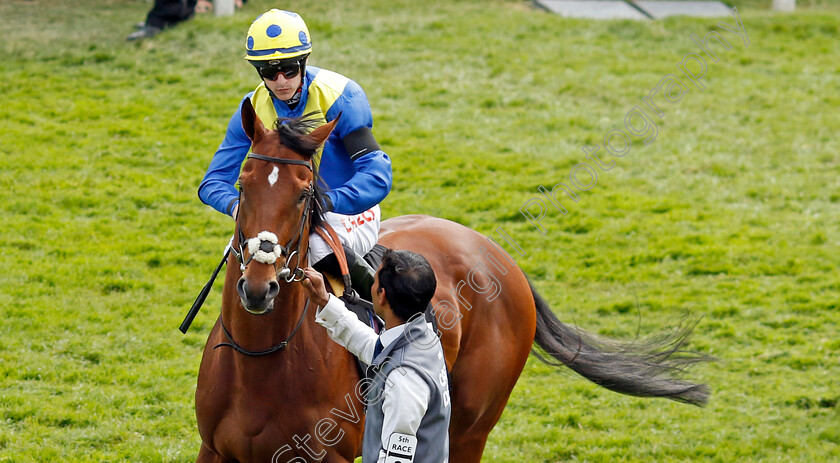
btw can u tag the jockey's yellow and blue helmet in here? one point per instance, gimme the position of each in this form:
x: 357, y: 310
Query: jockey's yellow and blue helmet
x: 277, y: 35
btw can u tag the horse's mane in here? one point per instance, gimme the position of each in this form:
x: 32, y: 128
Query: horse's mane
x: 318, y: 208
x: 293, y: 135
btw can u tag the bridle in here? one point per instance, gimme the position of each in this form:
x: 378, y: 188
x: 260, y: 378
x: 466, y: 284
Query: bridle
x: 266, y: 246
x: 286, y: 273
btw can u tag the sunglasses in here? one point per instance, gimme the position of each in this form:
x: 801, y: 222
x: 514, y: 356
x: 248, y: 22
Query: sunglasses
x: 289, y: 70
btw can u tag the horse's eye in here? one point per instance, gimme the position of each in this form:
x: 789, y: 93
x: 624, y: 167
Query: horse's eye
x: 302, y: 197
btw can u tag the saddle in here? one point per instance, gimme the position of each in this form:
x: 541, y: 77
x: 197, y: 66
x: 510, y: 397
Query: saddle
x: 362, y: 308
x: 336, y: 272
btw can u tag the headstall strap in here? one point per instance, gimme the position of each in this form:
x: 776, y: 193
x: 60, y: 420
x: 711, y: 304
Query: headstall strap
x: 296, y: 162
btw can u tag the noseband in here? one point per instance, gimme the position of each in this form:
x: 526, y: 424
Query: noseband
x: 265, y: 246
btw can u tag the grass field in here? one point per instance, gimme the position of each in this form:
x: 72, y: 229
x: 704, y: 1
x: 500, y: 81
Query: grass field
x: 732, y: 212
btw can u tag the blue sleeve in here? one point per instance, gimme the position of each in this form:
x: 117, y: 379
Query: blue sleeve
x: 371, y: 182
x: 218, y: 188
x: 368, y: 187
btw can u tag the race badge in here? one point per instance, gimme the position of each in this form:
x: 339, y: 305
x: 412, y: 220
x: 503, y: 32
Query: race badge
x: 401, y: 448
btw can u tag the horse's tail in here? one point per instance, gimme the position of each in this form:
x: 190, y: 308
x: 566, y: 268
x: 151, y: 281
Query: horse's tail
x: 645, y: 368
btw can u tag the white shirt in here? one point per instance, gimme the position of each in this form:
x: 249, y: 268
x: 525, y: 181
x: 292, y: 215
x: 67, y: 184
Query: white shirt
x: 406, y: 396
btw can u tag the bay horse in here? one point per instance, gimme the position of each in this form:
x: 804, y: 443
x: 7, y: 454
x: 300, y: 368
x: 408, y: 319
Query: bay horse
x: 273, y: 387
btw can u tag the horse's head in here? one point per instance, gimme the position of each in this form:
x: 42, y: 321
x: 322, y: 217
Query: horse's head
x: 278, y: 202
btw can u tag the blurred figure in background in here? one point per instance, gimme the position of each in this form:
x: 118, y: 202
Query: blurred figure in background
x: 206, y: 6
x: 164, y: 13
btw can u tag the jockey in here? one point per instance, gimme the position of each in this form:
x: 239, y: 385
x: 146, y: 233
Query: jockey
x: 354, y: 172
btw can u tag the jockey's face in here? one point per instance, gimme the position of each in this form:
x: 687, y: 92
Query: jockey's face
x: 282, y: 87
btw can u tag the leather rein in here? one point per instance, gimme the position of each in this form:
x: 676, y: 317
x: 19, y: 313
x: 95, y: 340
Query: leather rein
x: 285, y: 273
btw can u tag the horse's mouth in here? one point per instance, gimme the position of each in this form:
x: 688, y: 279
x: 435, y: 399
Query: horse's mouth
x: 259, y: 302
x: 257, y: 309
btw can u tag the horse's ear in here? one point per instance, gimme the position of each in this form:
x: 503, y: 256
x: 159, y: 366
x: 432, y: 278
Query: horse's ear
x: 250, y: 121
x: 320, y: 134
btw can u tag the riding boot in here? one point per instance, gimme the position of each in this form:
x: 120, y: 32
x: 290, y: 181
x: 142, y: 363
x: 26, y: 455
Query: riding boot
x: 361, y: 273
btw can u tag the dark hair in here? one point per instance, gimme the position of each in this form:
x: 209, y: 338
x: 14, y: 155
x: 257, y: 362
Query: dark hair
x: 408, y: 280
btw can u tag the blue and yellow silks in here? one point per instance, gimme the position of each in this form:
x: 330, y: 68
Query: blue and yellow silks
x: 353, y: 186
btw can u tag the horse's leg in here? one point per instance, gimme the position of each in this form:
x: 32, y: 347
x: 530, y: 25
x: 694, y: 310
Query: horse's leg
x: 467, y: 448
x: 205, y: 455
x: 496, y: 342
x: 481, y: 388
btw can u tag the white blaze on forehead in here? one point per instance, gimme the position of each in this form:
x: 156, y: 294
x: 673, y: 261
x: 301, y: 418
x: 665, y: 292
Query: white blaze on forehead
x: 272, y: 177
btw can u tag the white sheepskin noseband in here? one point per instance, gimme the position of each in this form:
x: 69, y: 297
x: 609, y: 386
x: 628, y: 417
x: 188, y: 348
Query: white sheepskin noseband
x: 259, y: 254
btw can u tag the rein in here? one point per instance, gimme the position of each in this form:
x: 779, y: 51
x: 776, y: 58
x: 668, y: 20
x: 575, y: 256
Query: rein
x: 257, y: 353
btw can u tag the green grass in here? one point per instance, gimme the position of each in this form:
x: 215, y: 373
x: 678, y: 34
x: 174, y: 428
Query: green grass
x: 731, y: 213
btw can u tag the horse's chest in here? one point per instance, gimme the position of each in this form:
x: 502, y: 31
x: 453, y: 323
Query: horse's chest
x: 254, y: 428
x: 248, y: 410
x: 252, y: 420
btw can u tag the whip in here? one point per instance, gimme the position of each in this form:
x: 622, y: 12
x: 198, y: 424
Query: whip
x: 185, y: 325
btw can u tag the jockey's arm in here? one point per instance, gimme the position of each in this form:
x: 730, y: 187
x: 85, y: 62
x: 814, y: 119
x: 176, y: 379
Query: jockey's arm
x: 371, y: 182
x: 218, y: 188
x: 366, y: 188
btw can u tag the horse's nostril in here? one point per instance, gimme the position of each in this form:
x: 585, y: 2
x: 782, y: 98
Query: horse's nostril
x: 273, y: 289
x: 241, y: 288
